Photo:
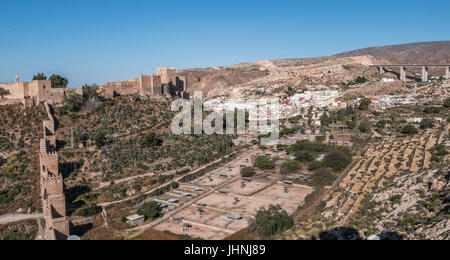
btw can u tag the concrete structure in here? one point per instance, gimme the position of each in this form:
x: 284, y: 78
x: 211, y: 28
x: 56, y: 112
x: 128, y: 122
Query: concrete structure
x: 381, y: 68
x: 35, y: 92
x: 424, y: 74
x: 403, y: 73
x: 163, y: 83
x: 135, y: 220
x: 52, y: 185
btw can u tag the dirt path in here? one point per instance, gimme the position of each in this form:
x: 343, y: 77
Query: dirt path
x: 10, y: 218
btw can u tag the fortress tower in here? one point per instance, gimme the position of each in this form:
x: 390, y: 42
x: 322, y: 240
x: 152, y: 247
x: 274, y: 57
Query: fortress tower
x: 52, y: 185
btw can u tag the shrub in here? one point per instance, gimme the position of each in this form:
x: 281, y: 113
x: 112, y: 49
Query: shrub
x: 272, y: 221
x: 290, y: 166
x: 409, y: 129
x: 100, y: 139
x: 149, y: 209
x: 315, y: 165
x: 264, y: 162
x: 89, y: 211
x: 150, y: 139
x: 247, y: 172
x: 322, y: 177
x: 337, y: 160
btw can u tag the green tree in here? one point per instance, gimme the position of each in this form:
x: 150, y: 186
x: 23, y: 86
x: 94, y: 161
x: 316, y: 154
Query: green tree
x: 264, y: 162
x: 150, y: 139
x: 90, y: 92
x: 100, y: 139
x: 58, y: 81
x: 247, y: 172
x: 322, y: 177
x: 364, y: 104
x: 40, y: 76
x: 304, y: 156
x: 409, y: 129
x: 73, y: 102
x: 149, y: 209
x: 272, y: 221
x: 290, y: 166
x: 4, y: 92
x: 89, y: 211
x: 337, y: 160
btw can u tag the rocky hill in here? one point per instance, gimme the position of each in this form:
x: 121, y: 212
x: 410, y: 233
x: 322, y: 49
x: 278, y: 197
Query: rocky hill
x: 274, y: 77
x: 414, y: 53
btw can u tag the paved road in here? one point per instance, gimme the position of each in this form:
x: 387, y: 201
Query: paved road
x: 5, y: 219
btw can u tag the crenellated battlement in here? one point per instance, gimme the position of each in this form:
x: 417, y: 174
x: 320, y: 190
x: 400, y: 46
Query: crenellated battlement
x: 52, y: 184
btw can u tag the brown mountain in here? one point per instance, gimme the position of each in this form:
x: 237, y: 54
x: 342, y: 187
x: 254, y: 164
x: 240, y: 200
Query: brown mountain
x: 414, y: 53
x: 275, y: 76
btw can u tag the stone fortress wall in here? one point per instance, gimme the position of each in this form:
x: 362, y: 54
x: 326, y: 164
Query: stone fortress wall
x: 35, y: 92
x: 163, y: 83
x: 52, y: 184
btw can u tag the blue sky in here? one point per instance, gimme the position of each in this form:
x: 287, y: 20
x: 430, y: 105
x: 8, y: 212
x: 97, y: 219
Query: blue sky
x: 100, y: 41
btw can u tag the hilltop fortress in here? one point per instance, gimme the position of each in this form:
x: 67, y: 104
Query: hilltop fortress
x: 35, y: 92
x: 164, y: 83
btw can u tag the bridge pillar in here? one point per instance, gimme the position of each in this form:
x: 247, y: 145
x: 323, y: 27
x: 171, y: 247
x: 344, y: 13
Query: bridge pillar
x: 424, y: 74
x: 447, y: 72
x: 382, y: 71
x: 403, y: 73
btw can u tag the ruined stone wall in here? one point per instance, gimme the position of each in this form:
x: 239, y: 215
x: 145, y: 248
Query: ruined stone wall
x: 57, y: 94
x: 52, y: 184
x: 147, y: 83
x: 121, y: 87
x: 16, y: 89
x: 168, y: 75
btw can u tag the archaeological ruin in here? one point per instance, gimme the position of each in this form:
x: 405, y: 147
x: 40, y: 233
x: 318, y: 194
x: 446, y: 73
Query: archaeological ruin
x: 165, y: 83
x: 35, y: 92
x: 52, y: 185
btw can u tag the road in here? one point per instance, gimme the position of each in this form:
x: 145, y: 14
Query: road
x: 10, y: 218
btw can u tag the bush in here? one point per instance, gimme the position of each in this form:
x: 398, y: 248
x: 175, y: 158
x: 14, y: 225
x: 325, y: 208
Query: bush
x: 290, y: 166
x: 150, y: 139
x: 432, y: 110
x: 322, y: 177
x: 409, y: 129
x: 89, y: 211
x: 247, y: 172
x: 364, y: 127
x: 315, y: 165
x: 264, y: 162
x: 73, y: 102
x: 272, y: 221
x: 100, y: 139
x: 304, y: 156
x: 337, y: 160
x: 149, y: 209
x: 427, y: 123
x: 364, y: 104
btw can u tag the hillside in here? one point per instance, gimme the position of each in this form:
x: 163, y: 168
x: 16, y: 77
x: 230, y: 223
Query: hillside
x: 274, y: 77
x: 412, y: 53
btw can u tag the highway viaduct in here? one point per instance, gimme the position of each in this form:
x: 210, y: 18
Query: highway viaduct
x: 381, y: 68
